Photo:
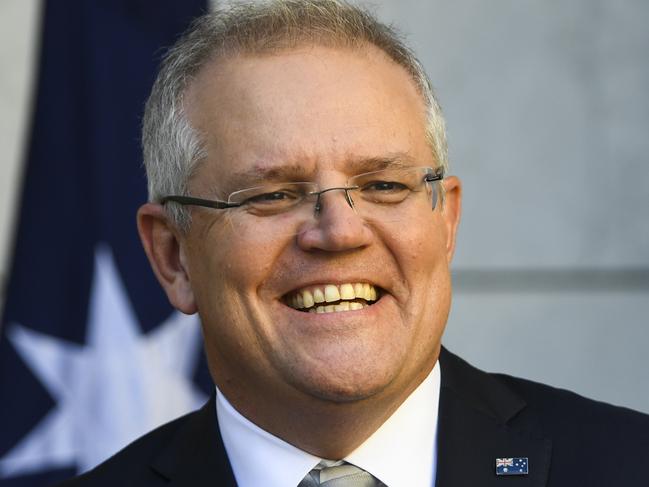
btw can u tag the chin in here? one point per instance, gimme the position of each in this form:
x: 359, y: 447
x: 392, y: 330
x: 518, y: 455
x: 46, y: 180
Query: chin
x: 344, y: 385
x: 344, y: 394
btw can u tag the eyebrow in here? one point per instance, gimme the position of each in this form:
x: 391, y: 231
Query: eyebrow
x: 395, y: 160
x: 259, y: 175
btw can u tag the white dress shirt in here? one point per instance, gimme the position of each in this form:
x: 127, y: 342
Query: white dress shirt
x: 401, y: 453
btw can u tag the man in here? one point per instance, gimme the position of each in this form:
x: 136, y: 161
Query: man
x: 299, y: 202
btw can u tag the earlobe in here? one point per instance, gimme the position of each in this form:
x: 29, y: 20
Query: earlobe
x: 163, y: 247
x: 451, y: 212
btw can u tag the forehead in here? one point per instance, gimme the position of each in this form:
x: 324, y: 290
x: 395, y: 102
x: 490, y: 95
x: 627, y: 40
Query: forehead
x: 311, y: 109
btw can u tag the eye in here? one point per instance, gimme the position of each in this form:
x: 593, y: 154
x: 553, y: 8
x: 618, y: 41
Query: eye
x: 384, y: 192
x: 272, y: 197
x: 269, y: 200
x: 385, y: 186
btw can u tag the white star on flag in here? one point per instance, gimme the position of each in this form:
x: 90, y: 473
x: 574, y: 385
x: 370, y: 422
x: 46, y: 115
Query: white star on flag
x: 116, y: 387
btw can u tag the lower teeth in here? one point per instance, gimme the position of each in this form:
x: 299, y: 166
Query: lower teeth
x: 336, y: 308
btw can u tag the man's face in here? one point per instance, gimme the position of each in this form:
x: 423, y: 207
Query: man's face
x: 323, y: 115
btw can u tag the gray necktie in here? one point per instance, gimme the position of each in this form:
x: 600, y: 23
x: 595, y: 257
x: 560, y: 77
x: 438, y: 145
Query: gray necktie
x: 345, y: 475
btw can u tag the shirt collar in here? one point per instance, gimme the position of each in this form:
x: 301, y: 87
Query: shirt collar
x: 401, y: 453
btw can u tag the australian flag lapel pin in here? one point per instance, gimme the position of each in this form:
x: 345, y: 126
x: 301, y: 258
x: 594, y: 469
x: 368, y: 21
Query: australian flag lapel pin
x: 512, y: 466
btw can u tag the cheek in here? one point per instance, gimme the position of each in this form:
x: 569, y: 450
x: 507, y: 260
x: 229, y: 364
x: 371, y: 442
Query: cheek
x: 423, y: 246
x: 422, y: 258
x: 226, y: 277
x: 234, y: 261
x: 224, y: 286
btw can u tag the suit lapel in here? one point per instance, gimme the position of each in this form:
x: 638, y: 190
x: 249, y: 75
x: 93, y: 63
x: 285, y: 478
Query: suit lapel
x: 481, y: 419
x: 197, y: 456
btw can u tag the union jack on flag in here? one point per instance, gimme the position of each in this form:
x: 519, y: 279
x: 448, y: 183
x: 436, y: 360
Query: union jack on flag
x: 504, y: 462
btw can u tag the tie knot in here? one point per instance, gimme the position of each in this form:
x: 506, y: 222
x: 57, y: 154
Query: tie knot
x: 344, y: 475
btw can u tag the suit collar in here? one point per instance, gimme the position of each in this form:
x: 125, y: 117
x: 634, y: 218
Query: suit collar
x: 196, y: 455
x: 481, y: 419
x: 482, y: 391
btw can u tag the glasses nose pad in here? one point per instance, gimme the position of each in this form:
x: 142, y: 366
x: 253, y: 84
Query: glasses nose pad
x: 348, y: 198
x: 318, y: 204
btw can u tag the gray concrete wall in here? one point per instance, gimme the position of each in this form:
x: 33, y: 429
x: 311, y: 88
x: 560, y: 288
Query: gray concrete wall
x: 548, y: 118
x: 18, y: 37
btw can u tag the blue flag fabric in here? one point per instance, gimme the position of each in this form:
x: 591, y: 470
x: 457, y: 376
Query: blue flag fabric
x: 91, y: 354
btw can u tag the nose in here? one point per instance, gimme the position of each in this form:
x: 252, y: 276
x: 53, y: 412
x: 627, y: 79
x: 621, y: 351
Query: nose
x: 336, y: 226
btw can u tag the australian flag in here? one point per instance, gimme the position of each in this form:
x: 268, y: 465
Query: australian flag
x: 91, y: 354
x: 512, y: 466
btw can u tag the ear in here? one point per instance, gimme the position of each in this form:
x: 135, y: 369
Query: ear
x: 451, y: 212
x: 163, y: 246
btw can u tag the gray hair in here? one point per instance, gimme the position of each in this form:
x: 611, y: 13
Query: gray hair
x: 172, y: 149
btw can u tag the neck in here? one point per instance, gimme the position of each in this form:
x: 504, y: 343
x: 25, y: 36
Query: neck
x: 325, y: 428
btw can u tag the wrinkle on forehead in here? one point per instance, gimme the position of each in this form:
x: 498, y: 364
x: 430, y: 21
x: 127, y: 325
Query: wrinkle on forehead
x: 261, y: 173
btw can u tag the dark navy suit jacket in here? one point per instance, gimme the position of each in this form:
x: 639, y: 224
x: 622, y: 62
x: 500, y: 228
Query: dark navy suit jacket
x: 569, y: 440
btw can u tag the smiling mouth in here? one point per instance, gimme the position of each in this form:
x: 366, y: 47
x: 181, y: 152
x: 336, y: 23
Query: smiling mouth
x: 332, y: 298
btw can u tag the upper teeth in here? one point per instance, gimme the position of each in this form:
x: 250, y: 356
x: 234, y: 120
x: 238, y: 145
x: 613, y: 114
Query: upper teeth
x: 308, y: 297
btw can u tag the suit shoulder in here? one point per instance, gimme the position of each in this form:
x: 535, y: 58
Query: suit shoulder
x: 130, y: 466
x: 557, y: 409
x: 565, y: 414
